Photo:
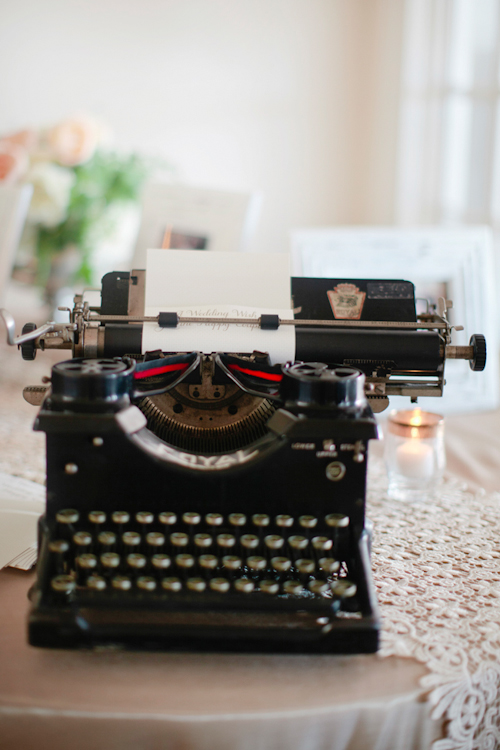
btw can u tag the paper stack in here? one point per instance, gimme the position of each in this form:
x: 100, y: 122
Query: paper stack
x: 21, y: 504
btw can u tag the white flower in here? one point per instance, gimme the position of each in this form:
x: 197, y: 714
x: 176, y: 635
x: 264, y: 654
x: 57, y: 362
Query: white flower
x: 51, y: 192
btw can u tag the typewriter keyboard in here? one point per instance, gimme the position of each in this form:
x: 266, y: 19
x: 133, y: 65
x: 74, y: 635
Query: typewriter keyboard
x: 148, y: 553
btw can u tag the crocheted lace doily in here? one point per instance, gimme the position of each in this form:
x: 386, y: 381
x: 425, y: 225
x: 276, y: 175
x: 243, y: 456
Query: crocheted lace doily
x: 437, y: 571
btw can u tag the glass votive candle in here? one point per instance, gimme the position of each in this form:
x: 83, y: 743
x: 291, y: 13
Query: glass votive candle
x: 414, y: 453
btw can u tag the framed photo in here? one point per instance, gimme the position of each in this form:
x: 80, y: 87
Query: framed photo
x: 457, y: 264
x: 14, y: 204
x: 180, y: 217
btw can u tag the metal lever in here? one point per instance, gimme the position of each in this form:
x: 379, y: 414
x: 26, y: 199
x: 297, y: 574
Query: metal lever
x: 10, y: 325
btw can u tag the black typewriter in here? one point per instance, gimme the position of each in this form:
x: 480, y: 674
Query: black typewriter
x: 216, y: 501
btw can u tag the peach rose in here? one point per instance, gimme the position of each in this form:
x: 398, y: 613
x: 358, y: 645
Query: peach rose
x: 73, y: 141
x: 14, y: 161
x: 28, y: 139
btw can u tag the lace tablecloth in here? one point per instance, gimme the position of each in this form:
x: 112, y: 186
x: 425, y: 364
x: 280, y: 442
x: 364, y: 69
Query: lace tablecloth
x: 437, y: 572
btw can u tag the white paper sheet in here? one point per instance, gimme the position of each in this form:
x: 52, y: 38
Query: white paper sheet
x: 21, y: 504
x: 223, y: 285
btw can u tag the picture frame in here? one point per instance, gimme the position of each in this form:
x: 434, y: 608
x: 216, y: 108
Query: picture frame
x: 14, y: 205
x: 458, y: 262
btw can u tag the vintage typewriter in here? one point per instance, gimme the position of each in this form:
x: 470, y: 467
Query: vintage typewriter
x: 214, y: 500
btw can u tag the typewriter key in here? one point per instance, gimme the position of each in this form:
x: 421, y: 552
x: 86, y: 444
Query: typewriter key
x: 221, y: 585
x: 121, y: 583
x: 297, y: 542
x: 178, y: 539
x: 284, y: 521
x: 144, y: 517
x: 343, y: 588
x: 58, y: 546
x: 231, y: 562
x: 68, y: 516
x: 281, y: 564
x: 131, y: 539
x: 226, y: 540
x: 208, y: 562
x: 337, y: 520
x: 328, y: 564
x: 305, y: 566
x: 184, y: 561
x: 107, y: 538
x: 214, y: 519
x: 203, y: 540
x: 260, y: 520
x: 155, y: 539
x: 321, y: 543
x: 110, y: 560
x: 161, y: 562
x: 244, y: 585
x: 82, y: 539
x: 318, y: 587
x: 192, y: 519
x: 249, y: 541
x: 171, y: 584
x: 274, y: 541
x: 146, y: 583
x: 96, y: 583
x: 256, y: 562
x: 97, y: 517
x: 167, y: 518
x: 237, y: 519
x: 135, y: 561
x: 86, y: 561
x: 292, y: 587
x: 63, y: 584
x: 196, y: 584
x: 308, y: 522
x: 269, y: 587
x: 120, y: 517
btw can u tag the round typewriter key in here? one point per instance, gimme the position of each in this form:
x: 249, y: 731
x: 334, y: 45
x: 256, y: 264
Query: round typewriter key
x: 321, y: 543
x: 86, y: 561
x: 146, y: 583
x: 144, y: 517
x: 208, y: 562
x: 184, y: 561
x: 97, y: 517
x: 67, y: 516
x: 308, y: 522
x: 337, y: 520
x: 171, y: 584
x: 121, y: 583
x: 96, y: 583
x: 281, y: 564
x: 107, y: 538
x: 110, y: 560
x: 58, y: 546
x: 161, y: 562
x: 305, y: 566
x: 192, y: 519
x: 237, y: 519
x: 196, y: 584
x: 297, y: 542
x: 274, y: 541
x: 178, y: 539
x: 260, y: 520
x: 249, y: 541
x: 135, y: 561
x: 318, y: 587
x: 231, y: 562
x: 120, y: 517
x: 214, y: 519
x: 155, y: 539
x: 269, y: 587
x: 82, y: 539
x: 343, y: 588
x: 256, y: 562
x: 284, y: 521
x: 293, y: 587
x: 63, y: 584
x: 167, y: 518
x: 244, y: 585
x: 203, y: 540
x: 221, y: 585
x: 131, y: 538
x: 226, y: 540
x: 328, y: 564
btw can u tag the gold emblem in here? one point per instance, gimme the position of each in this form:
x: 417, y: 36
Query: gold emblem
x: 346, y: 301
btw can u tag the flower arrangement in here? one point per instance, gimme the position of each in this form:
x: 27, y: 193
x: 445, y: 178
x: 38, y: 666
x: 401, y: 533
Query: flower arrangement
x: 75, y: 180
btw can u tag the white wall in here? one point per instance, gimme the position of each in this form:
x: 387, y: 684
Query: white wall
x: 297, y: 98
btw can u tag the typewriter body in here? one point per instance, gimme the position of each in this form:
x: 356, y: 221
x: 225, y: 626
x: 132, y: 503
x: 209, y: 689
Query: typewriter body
x: 214, y: 500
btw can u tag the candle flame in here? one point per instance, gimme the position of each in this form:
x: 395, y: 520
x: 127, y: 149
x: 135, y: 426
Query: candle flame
x: 416, y: 419
x: 414, y: 432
